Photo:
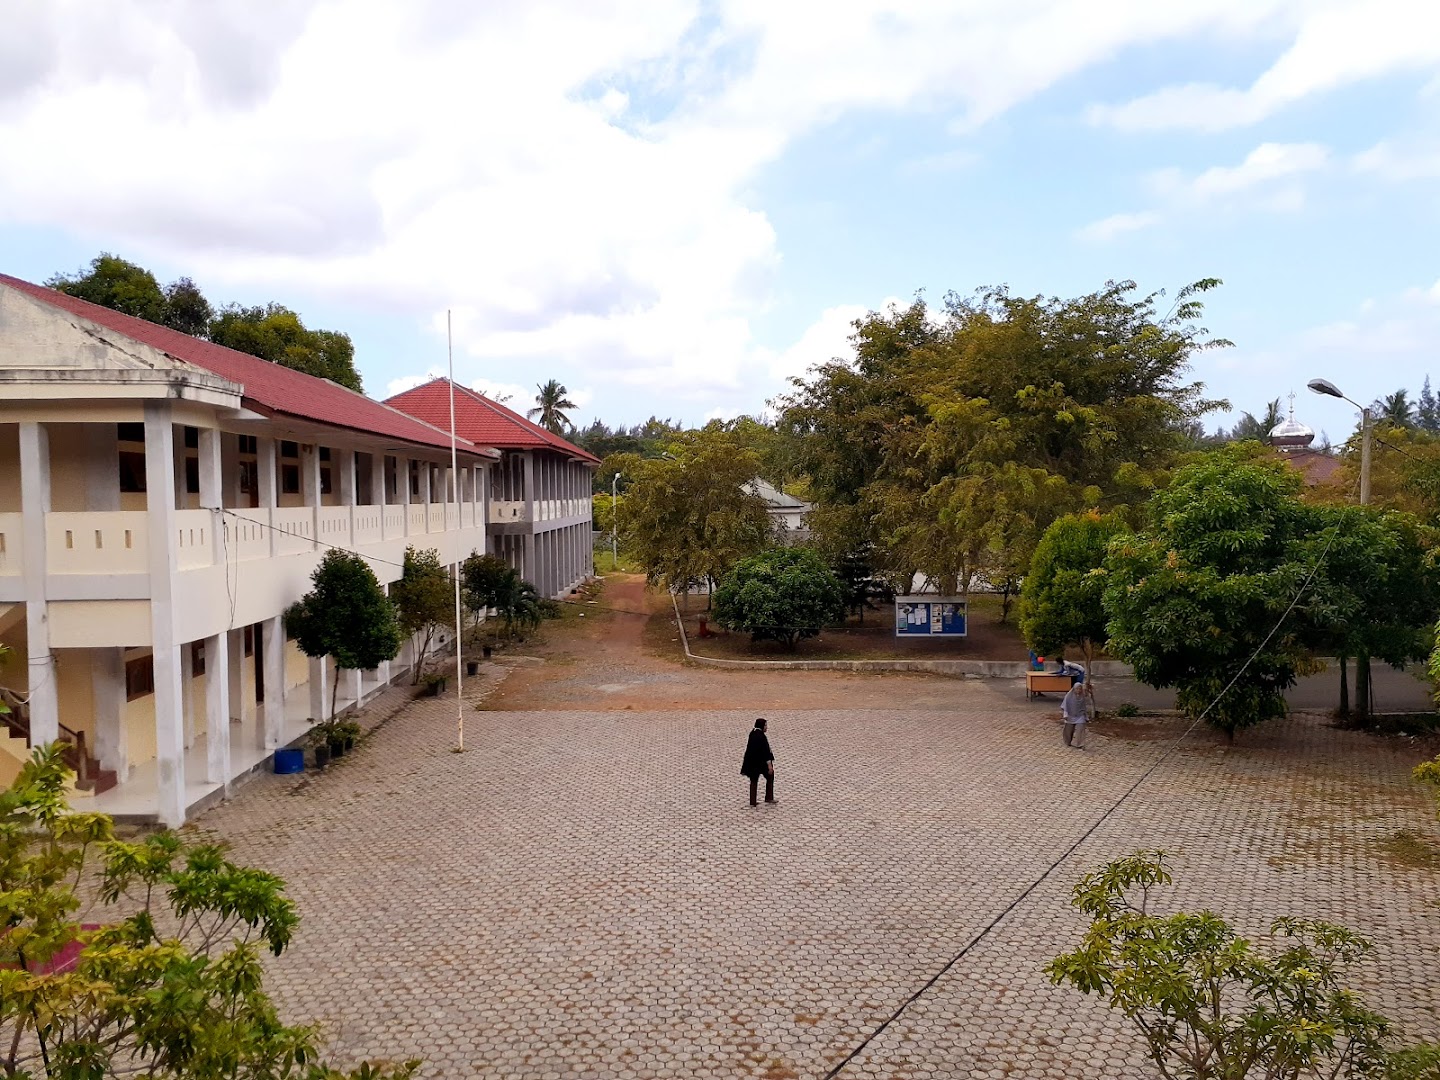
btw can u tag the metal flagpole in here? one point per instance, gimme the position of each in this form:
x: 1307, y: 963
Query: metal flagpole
x: 455, y: 483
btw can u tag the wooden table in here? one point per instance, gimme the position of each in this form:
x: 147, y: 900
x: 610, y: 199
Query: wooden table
x: 1040, y: 682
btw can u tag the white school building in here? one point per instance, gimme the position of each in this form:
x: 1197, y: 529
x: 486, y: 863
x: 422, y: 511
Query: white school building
x: 163, y: 500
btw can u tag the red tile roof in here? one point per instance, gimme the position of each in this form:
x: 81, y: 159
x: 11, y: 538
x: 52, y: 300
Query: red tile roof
x: 274, y: 388
x: 482, y: 420
x: 1316, y: 466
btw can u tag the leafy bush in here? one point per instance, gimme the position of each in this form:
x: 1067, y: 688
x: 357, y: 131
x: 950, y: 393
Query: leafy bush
x: 172, y: 985
x: 783, y: 594
x: 1127, y: 708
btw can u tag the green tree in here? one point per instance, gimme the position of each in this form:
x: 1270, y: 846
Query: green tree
x: 519, y: 605
x: 172, y: 985
x: 551, y: 405
x: 114, y: 283
x: 346, y: 616
x: 273, y: 332
x: 691, y: 515
x: 1394, y: 410
x: 1063, y: 600
x: 953, y: 439
x: 1212, y: 1005
x: 1256, y: 428
x: 1195, y: 595
x: 783, y: 594
x: 424, y: 600
x: 483, y: 578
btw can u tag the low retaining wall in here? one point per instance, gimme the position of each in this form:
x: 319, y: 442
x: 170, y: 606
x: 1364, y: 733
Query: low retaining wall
x: 976, y: 669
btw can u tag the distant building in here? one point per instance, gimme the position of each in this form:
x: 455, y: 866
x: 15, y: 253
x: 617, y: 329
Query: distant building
x: 1292, y: 439
x: 540, y: 508
x: 787, y: 513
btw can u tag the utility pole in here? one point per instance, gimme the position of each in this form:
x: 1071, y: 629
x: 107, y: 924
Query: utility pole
x: 615, y: 521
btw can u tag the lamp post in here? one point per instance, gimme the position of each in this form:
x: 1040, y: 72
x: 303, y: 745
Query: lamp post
x: 614, y: 523
x: 1329, y: 389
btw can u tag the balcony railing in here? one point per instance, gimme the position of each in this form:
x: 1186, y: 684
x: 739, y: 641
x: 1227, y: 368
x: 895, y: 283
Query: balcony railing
x: 118, y: 542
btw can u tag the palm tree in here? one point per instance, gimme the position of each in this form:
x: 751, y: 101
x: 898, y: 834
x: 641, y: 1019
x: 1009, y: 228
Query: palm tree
x: 1257, y: 428
x: 550, y: 406
x: 1395, y: 410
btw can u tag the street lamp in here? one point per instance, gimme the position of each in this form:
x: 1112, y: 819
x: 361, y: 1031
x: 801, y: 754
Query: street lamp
x: 1329, y: 389
x: 614, y: 523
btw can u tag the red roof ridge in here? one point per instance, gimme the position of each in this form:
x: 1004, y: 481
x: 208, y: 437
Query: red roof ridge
x: 419, y: 396
x: 273, y: 386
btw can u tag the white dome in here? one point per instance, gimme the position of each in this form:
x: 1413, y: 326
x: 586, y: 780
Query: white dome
x: 1290, y: 433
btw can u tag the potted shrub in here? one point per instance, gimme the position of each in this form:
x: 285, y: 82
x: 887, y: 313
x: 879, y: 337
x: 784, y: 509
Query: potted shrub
x: 334, y: 738
x: 434, y: 684
x: 319, y: 742
x: 348, y: 732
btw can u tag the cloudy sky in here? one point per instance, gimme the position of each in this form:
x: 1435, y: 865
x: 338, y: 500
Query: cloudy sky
x: 672, y: 207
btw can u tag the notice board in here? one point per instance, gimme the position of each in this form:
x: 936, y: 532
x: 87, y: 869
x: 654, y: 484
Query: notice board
x: 930, y: 616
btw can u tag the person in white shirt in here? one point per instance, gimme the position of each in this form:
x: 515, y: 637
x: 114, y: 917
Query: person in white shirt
x: 1075, y: 711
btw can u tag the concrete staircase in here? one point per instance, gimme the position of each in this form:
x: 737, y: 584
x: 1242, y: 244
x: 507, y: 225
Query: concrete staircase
x: 89, y: 779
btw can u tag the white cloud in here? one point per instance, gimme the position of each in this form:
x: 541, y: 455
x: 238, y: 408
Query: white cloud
x: 1401, y: 160
x: 1268, y: 161
x: 1107, y: 229
x: 409, y: 382
x: 574, y: 178
x: 1334, y: 44
x: 827, y: 338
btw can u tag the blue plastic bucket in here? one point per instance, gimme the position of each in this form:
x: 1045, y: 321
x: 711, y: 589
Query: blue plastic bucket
x: 289, y: 761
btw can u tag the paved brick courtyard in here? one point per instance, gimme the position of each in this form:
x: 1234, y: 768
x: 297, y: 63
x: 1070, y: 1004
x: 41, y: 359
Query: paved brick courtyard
x: 588, y: 895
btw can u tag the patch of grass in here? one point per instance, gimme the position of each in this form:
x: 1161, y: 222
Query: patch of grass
x: 1410, y: 848
x: 1127, y: 708
x: 624, y: 564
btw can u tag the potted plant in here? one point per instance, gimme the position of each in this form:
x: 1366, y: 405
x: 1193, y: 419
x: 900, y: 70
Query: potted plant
x: 348, y: 732
x: 319, y: 742
x: 434, y: 684
x: 334, y: 738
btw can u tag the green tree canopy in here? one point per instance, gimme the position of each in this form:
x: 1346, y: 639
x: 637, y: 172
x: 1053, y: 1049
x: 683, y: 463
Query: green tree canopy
x: 346, y: 616
x: 691, y: 514
x: 115, y: 283
x: 952, y: 439
x: 783, y: 594
x: 483, y: 578
x: 1193, y: 595
x: 273, y: 332
x: 172, y: 986
x: 1063, y: 600
x: 424, y: 600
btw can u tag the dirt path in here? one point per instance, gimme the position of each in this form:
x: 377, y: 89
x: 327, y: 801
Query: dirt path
x: 625, y: 654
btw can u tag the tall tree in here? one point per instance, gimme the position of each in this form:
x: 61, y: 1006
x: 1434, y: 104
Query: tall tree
x: 1256, y: 428
x: 551, y: 405
x: 1394, y: 410
x: 1427, y: 410
x: 424, y: 600
x: 952, y: 439
x: 123, y: 286
x: 273, y: 332
x: 691, y: 514
x: 346, y: 616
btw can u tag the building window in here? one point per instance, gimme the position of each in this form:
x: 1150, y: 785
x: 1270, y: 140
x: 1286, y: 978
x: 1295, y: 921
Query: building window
x: 249, y: 641
x: 192, y: 475
x: 289, y: 449
x: 130, y: 432
x: 192, y: 438
x: 249, y: 477
x: 197, y: 658
x: 290, y: 479
x: 249, y: 444
x: 414, y: 480
x: 139, y: 677
x: 132, y: 470
x: 324, y: 481
x: 324, y: 453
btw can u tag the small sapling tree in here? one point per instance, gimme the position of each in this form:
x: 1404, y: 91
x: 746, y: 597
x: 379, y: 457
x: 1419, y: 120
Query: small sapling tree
x: 346, y: 616
x: 424, y: 600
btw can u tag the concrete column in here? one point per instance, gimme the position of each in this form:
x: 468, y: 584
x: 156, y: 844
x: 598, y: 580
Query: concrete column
x: 34, y: 505
x: 354, y: 684
x: 377, y: 479
x: 310, y: 489
x: 319, y: 687
x: 269, y: 489
x: 242, y: 706
x: 107, y: 675
x: 212, y: 495
x: 344, y: 460
x: 425, y: 493
x: 187, y: 694
x: 402, y: 488
x: 102, y: 468
x: 170, y: 690
x: 274, y: 660
x: 217, y: 709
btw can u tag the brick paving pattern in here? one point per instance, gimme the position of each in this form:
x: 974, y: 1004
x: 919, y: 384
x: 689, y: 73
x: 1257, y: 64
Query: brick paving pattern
x: 588, y: 895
